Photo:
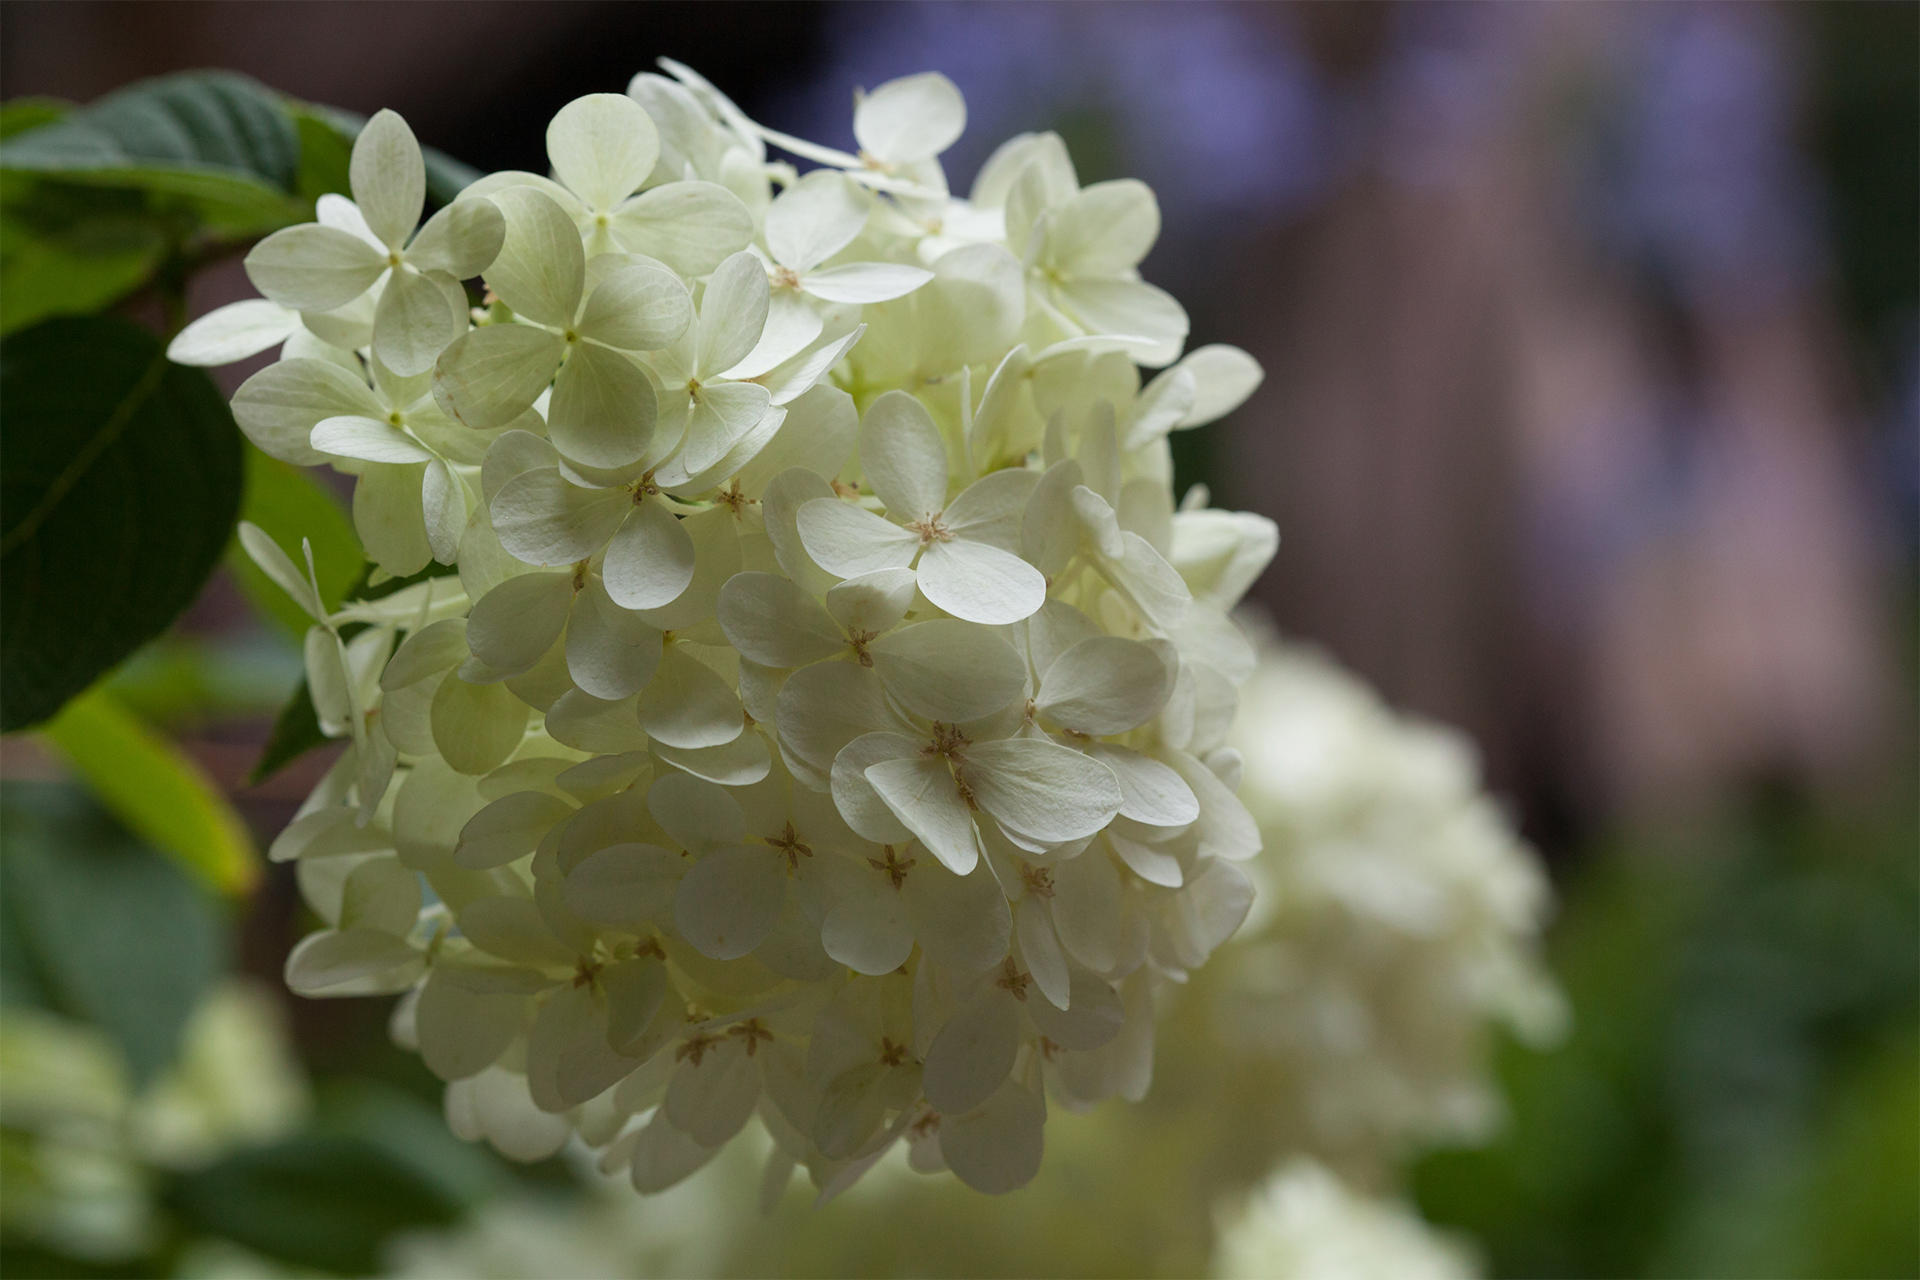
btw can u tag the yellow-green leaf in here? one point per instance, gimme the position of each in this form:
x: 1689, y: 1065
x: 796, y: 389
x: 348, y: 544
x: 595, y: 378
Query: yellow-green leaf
x: 153, y: 787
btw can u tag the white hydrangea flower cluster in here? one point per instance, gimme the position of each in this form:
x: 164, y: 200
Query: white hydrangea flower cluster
x: 827, y: 718
x: 1306, y: 1224
x: 1398, y: 923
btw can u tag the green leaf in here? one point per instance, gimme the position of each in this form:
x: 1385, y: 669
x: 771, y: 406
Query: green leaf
x: 119, y: 484
x: 68, y: 251
x: 317, y: 1200
x: 109, y: 931
x: 291, y: 503
x: 211, y: 144
x: 296, y: 731
x: 23, y: 114
x: 159, y: 792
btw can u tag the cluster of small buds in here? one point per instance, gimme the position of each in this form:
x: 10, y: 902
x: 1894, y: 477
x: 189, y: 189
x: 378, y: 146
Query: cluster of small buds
x: 803, y: 699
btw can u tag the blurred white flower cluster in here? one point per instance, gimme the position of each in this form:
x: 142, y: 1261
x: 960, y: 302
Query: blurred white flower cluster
x: 826, y: 720
x: 1305, y: 1224
x: 1397, y: 923
x: 79, y: 1144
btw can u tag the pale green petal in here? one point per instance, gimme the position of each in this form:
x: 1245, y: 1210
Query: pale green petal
x: 491, y: 376
x: 1129, y: 308
x: 873, y: 602
x: 650, y: 559
x: 314, y: 268
x: 992, y: 508
x: 602, y: 147
x: 997, y: 1148
x: 513, y: 625
x: 541, y: 269
x: 691, y: 226
x: 722, y: 414
x: 1223, y: 378
x: 962, y: 922
x: 387, y: 516
x: 476, y: 726
x: 509, y: 828
x: 543, y: 518
x: 603, y: 408
x: 389, y: 178
x: 461, y: 240
x: 826, y: 706
x: 446, y: 504
x: 624, y: 884
x: 464, y: 1031
x: 637, y: 308
x: 1104, y: 230
x: 733, y: 311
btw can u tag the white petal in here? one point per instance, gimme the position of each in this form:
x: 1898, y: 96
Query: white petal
x: 921, y: 792
x: 367, y: 439
x: 541, y: 269
x: 650, y: 559
x: 814, y: 219
x: 826, y: 706
x: 314, y: 268
x: 904, y: 458
x: 962, y: 922
x: 665, y: 1157
x: 544, y: 519
x: 278, y: 565
x: 624, y: 884
x: 359, y: 962
x: 233, y: 332
x: 729, y: 901
x: 697, y: 814
x: 997, y: 1148
x: 980, y: 583
x: 1104, y: 685
x: 973, y: 1054
x: 847, y: 540
x: 1129, y: 308
x: 603, y: 408
x: 858, y: 282
x: 1039, y: 948
x: 418, y: 317
x: 868, y: 930
x: 611, y: 654
x: 509, y: 828
x: 792, y: 325
x: 389, y: 178
x: 1087, y: 909
x: 1042, y: 790
x: 854, y: 798
x: 593, y: 724
x: 1092, y: 1018
x: 873, y: 602
x: 733, y: 311
x: 569, y: 1058
x: 1225, y: 827
x: 446, y: 504
x: 913, y: 118
x: 488, y: 377
x: 691, y: 226
x: 949, y: 670
x: 739, y: 763
x: 711, y: 1099
x: 514, y: 625
x: 637, y: 308
x: 602, y: 147
x: 688, y: 704
x: 773, y: 622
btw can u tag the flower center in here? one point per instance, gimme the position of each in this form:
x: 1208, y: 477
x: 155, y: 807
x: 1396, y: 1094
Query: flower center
x: 789, y: 843
x: 1038, y: 880
x: 785, y: 278
x: 931, y: 530
x: 1012, y: 980
x: 893, y: 864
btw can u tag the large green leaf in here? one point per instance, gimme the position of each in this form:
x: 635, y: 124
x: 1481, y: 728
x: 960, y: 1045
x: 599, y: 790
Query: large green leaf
x: 329, y: 1201
x: 119, y: 483
x: 100, y: 927
x: 157, y: 790
x: 211, y: 145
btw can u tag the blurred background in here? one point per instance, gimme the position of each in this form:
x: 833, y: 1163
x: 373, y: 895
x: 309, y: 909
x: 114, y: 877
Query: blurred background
x: 1591, y: 426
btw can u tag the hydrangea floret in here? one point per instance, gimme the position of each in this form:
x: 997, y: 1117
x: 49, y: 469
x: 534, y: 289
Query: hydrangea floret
x: 788, y: 690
